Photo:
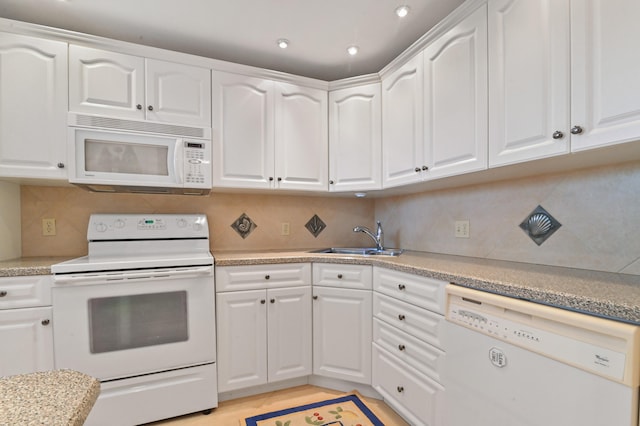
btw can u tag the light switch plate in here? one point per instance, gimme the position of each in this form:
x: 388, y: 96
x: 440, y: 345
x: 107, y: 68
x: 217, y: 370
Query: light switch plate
x: 461, y: 229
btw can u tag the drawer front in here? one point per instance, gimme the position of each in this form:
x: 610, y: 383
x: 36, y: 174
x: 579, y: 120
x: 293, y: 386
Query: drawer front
x: 418, y: 398
x: 344, y: 276
x: 414, y: 352
x: 418, y: 322
x: 256, y: 277
x: 421, y: 291
x: 25, y: 292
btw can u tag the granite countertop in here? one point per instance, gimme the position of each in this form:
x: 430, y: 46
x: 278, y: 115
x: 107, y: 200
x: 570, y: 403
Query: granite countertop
x: 609, y: 295
x: 52, y: 398
x: 29, y: 266
x: 604, y: 294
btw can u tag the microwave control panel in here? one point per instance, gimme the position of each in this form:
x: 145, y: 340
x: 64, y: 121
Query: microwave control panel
x: 196, y: 161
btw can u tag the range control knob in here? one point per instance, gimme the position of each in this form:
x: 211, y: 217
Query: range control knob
x: 101, y: 227
x: 119, y: 223
x: 182, y: 223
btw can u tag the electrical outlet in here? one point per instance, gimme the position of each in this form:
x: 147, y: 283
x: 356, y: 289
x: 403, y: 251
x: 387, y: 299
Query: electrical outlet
x: 48, y: 227
x: 462, y: 229
x: 285, y: 228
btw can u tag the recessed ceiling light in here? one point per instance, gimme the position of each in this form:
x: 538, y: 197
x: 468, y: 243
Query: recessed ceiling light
x: 402, y: 11
x: 352, y: 50
x: 283, y: 43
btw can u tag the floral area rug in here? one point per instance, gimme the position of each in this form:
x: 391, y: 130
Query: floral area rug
x: 344, y: 411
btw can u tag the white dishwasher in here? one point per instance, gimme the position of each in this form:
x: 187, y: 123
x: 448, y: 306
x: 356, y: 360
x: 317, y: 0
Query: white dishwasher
x: 516, y: 363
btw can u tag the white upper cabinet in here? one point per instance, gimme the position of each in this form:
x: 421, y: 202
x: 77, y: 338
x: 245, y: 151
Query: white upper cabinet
x: 455, y: 99
x: 33, y: 107
x: 118, y: 85
x: 355, y: 138
x: 605, y: 80
x: 301, y: 134
x: 402, y: 125
x: 268, y: 134
x: 243, y: 131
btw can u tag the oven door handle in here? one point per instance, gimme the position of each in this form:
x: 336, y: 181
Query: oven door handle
x: 105, y: 277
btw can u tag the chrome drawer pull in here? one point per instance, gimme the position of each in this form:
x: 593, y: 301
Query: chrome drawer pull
x: 3, y: 293
x: 401, y: 317
x: 401, y: 347
x: 400, y: 389
x: 401, y: 287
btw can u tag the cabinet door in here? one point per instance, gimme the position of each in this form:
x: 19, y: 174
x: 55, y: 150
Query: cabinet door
x: 605, y: 87
x: 33, y: 107
x: 301, y: 134
x: 342, y: 333
x: 455, y: 99
x: 26, y: 338
x: 243, y: 135
x: 242, y: 339
x: 355, y: 138
x: 178, y: 93
x: 529, y: 80
x: 289, y: 333
x: 106, y: 83
x: 402, y: 125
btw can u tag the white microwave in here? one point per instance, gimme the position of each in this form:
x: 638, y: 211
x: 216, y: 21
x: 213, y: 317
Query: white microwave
x: 105, y: 160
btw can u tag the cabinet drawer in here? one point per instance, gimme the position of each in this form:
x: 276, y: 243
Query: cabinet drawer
x: 255, y: 277
x: 345, y: 276
x: 25, y: 292
x: 415, y: 396
x: 414, y: 352
x: 418, y: 322
x: 421, y: 291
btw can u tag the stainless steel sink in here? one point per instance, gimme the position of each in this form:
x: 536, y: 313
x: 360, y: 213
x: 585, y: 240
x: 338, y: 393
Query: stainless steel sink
x: 364, y: 251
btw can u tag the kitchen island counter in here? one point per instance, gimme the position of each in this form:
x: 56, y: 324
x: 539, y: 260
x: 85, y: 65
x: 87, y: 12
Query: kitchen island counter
x: 56, y: 398
x: 609, y: 295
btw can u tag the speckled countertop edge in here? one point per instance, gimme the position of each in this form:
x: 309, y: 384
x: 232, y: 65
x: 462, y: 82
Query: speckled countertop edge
x: 28, y: 266
x: 56, y: 398
x: 608, y: 295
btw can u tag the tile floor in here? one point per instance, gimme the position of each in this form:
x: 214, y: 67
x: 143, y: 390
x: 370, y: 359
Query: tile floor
x: 231, y: 413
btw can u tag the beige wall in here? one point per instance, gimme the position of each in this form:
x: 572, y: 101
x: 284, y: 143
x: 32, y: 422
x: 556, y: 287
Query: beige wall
x: 71, y: 207
x: 599, y: 210
x: 10, y: 238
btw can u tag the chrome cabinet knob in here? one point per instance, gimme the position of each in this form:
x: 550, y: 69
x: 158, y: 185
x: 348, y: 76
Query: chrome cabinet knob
x: 425, y: 168
x: 267, y: 277
x: 315, y: 297
x: 279, y: 179
x: 3, y: 293
x: 401, y: 347
x: 270, y: 178
x: 401, y: 286
x: 272, y: 300
x: 339, y: 276
x: 45, y: 322
x: 262, y: 302
x: 576, y: 130
x: 400, y: 389
x: 331, y: 182
x: 558, y: 134
x: 150, y: 107
x: 139, y: 106
x: 60, y: 165
x: 417, y: 169
x: 401, y: 317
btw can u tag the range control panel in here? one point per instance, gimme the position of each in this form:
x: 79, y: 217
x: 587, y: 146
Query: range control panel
x: 146, y: 226
x: 568, y: 343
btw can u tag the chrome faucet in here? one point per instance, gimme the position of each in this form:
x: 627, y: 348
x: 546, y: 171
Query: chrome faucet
x: 378, y: 238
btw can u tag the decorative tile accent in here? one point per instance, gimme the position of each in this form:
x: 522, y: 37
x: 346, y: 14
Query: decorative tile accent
x: 315, y: 225
x: 539, y: 225
x: 244, y: 225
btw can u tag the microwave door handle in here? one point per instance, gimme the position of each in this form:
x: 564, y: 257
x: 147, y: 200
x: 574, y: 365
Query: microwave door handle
x: 178, y: 161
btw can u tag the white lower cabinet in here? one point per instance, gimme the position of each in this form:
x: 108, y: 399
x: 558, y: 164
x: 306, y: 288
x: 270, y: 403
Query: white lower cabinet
x: 342, y: 322
x: 26, y: 334
x: 264, y: 334
x: 408, y: 354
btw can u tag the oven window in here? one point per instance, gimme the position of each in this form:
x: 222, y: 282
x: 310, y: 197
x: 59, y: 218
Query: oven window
x: 121, y: 157
x: 126, y: 322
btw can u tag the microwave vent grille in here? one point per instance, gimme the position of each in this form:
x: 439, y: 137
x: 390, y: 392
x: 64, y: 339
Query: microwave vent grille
x: 138, y: 126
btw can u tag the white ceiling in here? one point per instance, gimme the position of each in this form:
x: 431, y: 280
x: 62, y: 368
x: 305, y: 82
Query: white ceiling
x: 245, y: 31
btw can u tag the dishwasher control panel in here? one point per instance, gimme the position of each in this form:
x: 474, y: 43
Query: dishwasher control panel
x: 569, y: 342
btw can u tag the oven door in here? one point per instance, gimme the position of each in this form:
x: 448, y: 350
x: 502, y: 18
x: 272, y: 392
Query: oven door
x: 121, y: 324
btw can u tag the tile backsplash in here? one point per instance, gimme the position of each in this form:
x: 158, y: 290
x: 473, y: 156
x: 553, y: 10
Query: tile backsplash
x: 71, y: 207
x: 599, y: 209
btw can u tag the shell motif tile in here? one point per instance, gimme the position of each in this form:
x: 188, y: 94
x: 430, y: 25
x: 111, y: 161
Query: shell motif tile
x: 244, y: 225
x: 539, y: 225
